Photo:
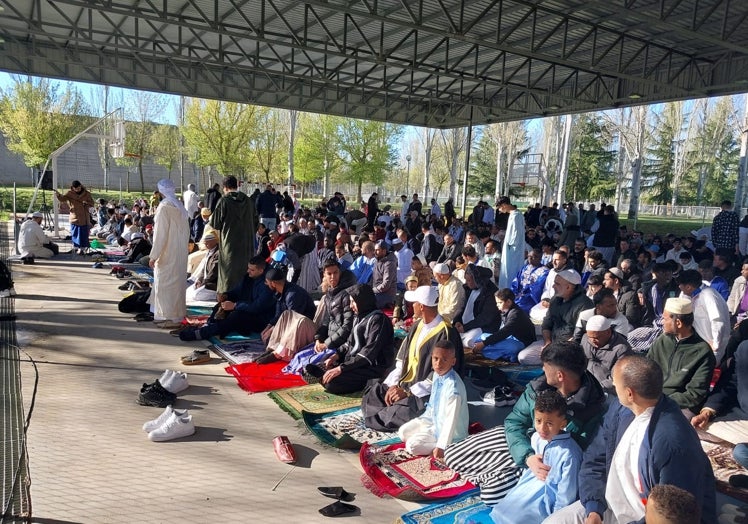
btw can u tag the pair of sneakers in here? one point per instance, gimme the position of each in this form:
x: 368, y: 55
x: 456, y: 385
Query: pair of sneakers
x: 169, y: 425
x: 163, y: 391
x: 500, y: 396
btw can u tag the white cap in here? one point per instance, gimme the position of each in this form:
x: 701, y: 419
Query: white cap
x: 426, y: 295
x: 679, y: 306
x: 441, y: 269
x: 598, y: 323
x: 37, y: 214
x: 571, y: 276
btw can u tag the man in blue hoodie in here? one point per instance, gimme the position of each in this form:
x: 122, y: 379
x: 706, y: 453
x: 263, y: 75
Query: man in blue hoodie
x: 646, y: 428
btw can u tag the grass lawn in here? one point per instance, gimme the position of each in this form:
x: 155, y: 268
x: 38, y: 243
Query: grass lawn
x: 664, y: 225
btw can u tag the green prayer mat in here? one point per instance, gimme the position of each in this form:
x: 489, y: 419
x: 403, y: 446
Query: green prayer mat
x: 313, y: 399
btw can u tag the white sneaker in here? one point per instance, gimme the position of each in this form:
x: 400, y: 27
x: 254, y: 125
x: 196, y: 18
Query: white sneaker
x: 5, y: 293
x: 175, y: 382
x: 12, y: 292
x: 165, y: 376
x: 176, y: 426
x: 159, y: 421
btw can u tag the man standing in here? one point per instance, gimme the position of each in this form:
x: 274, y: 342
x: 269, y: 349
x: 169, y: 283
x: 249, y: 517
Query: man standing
x: 235, y: 222
x: 266, y: 207
x: 725, y: 228
x: 645, y: 441
x: 32, y: 240
x: 168, y: 258
x: 80, y: 200
x: 190, y: 200
x: 372, y: 209
x: 513, y: 250
x: 212, y: 196
x: 404, y: 257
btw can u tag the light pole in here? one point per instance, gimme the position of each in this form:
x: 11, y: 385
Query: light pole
x: 407, y: 176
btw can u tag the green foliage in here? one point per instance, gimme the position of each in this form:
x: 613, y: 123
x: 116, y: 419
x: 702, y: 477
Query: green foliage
x: 269, y: 147
x: 658, y: 170
x: 219, y: 134
x: 316, y: 147
x: 369, y: 150
x: 482, y: 177
x: 37, y: 117
x: 165, y: 146
x: 591, y: 162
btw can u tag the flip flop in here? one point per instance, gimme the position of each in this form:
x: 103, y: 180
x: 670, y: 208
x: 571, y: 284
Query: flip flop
x: 337, y: 509
x: 336, y: 492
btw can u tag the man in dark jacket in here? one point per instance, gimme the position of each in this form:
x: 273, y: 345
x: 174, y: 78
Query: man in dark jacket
x: 450, y: 251
x: 560, y: 321
x: 266, y: 207
x: 334, y: 313
x: 655, y: 292
x: 384, y: 278
x: 367, y: 354
x: 480, y: 314
x: 248, y: 307
x: 212, y: 196
x: 641, y: 424
x: 430, y: 248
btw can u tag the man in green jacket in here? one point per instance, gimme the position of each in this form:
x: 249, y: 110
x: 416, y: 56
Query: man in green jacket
x: 687, y: 361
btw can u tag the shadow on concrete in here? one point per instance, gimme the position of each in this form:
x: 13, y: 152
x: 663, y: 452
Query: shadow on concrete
x: 204, y: 434
x: 42, y: 520
x: 304, y: 455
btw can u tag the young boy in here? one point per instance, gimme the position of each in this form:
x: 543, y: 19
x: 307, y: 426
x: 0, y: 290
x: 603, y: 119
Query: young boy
x: 532, y: 500
x: 668, y: 504
x: 446, y: 417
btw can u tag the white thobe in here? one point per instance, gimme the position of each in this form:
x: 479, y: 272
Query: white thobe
x: 513, y: 249
x: 171, y: 234
x: 31, y: 240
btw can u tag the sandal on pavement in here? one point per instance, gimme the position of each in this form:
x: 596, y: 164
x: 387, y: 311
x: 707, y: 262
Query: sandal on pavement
x: 196, y: 357
x: 336, y: 492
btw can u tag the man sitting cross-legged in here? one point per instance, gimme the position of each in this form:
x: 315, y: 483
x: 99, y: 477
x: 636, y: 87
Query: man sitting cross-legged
x: 248, y: 307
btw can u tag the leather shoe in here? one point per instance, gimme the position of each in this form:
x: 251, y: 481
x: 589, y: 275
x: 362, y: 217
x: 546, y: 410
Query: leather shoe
x: 338, y: 508
x: 336, y: 492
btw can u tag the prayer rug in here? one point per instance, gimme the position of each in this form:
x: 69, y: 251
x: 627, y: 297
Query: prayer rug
x: 196, y: 310
x: 465, y: 509
x: 312, y: 398
x: 724, y: 466
x: 383, y: 466
x: 239, y: 352
x: 520, y: 374
x: 344, y: 429
x: 256, y: 378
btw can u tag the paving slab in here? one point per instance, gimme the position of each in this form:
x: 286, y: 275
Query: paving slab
x: 90, y: 460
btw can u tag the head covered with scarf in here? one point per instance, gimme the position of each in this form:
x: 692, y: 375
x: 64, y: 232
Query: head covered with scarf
x: 481, y: 275
x: 363, y: 296
x: 166, y: 188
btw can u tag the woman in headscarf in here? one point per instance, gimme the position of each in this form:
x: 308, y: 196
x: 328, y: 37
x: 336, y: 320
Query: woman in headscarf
x: 168, y: 258
x: 368, y: 353
x: 481, y: 315
x: 79, y: 200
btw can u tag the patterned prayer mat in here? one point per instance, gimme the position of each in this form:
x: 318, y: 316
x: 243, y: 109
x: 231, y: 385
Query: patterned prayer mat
x: 256, y: 378
x: 724, y: 466
x: 344, y: 429
x: 424, y: 480
x: 313, y: 399
x: 520, y: 374
x: 238, y: 352
x: 465, y: 509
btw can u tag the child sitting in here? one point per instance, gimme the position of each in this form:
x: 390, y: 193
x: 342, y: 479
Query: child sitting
x: 446, y: 417
x: 532, y: 500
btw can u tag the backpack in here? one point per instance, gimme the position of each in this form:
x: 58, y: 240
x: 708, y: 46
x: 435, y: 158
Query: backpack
x: 6, y: 279
x: 135, y: 302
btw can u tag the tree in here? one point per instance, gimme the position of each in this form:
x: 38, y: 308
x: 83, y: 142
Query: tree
x: 368, y: 150
x: 219, y: 134
x: 166, y: 146
x: 38, y: 116
x: 591, y: 162
x: 269, y: 145
x: 143, y: 110
x: 316, y: 149
x: 454, y: 142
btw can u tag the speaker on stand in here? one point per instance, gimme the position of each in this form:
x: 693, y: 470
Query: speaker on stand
x: 46, y: 185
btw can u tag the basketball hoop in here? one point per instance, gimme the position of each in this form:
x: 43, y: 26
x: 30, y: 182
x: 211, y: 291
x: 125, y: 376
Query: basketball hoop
x: 132, y: 155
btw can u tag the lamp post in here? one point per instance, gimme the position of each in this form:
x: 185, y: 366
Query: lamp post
x: 407, y: 176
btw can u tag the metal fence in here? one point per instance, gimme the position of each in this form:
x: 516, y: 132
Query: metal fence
x: 16, y: 498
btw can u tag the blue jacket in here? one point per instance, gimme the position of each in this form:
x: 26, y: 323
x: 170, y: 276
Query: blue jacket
x: 253, y: 296
x: 670, y: 454
x: 295, y: 298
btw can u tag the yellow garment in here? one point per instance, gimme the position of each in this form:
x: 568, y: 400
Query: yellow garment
x: 414, y: 352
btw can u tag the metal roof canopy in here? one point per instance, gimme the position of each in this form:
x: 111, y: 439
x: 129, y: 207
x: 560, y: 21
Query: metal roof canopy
x: 435, y: 63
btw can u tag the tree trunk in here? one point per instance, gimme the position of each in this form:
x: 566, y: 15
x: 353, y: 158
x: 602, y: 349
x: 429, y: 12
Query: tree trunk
x: 500, y: 189
x: 743, y: 164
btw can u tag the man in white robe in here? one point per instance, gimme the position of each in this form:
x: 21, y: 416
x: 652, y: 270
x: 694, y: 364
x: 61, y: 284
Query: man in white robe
x: 513, y: 250
x: 32, y: 240
x: 168, y: 258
